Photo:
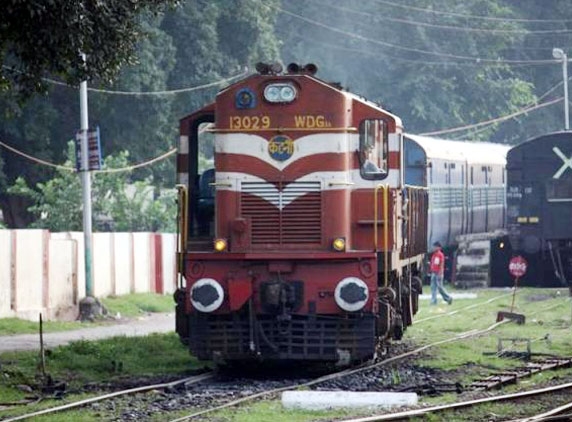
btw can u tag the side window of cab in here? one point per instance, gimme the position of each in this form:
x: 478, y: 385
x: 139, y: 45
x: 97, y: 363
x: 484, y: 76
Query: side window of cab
x: 373, y: 149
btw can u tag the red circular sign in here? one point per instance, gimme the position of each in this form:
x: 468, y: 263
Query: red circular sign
x: 517, y: 266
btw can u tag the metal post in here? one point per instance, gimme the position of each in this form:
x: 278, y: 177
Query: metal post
x: 86, y: 186
x: 559, y: 54
x: 565, y: 76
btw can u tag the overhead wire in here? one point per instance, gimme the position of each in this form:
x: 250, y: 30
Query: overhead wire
x: 400, y: 47
x: 495, y: 120
x: 143, y: 93
x: 105, y: 170
x: 486, y: 126
x: 470, y: 16
x: 450, y: 27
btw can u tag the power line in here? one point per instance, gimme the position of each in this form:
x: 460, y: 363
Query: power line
x: 399, y: 47
x: 451, y: 27
x: 412, y: 61
x: 110, y: 170
x: 495, y: 120
x: 142, y: 93
x: 465, y: 15
x: 34, y: 159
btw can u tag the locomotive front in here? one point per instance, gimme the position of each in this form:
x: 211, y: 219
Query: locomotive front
x: 276, y: 241
x: 539, y: 196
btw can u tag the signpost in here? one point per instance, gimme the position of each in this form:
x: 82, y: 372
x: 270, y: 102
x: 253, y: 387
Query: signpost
x: 517, y: 268
x: 93, y: 150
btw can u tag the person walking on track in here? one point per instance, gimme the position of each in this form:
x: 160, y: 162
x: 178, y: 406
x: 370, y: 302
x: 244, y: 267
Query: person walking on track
x: 437, y: 269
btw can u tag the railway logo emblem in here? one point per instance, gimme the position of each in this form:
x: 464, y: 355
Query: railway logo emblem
x: 281, y: 147
x: 567, y: 163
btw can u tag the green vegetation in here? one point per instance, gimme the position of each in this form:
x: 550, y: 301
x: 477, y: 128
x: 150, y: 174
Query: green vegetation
x: 272, y: 410
x: 444, y: 73
x: 126, y: 306
x: 134, y: 304
x: 547, y: 312
x: 83, y: 362
x: 547, y: 326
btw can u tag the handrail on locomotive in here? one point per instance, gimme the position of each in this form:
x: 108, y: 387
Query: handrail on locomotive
x: 385, y: 188
x: 182, y: 227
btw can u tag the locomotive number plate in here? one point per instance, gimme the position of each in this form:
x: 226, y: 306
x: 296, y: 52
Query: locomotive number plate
x: 249, y: 122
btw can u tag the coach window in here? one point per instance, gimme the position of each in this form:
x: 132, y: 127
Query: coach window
x: 373, y: 149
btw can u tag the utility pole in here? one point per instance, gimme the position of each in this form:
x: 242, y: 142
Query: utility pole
x: 559, y: 54
x: 89, y: 306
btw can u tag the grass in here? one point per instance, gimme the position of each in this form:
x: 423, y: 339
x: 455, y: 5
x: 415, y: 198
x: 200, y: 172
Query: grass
x: 547, y: 314
x: 135, y: 304
x: 83, y: 362
x: 271, y: 410
x: 127, y: 306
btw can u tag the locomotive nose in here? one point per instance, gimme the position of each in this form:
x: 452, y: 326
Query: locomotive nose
x: 207, y: 295
x: 351, y: 294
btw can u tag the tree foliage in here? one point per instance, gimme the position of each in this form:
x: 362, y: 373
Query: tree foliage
x: 47, y: 37
x: 119, y: 203
x: 436, y: 63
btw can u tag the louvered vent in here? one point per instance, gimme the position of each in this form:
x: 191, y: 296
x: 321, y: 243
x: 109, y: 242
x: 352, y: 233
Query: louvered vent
x: 283, y: 213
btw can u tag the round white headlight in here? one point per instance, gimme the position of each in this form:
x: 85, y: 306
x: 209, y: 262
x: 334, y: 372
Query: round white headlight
x: 207, y: 295
x: 287, y: 93
x: 272, y: 94
x: 351, y: 294
x: 280, y: 93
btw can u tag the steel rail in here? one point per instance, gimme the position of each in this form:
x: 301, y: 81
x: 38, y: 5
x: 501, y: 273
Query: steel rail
x: 547, y: 415
x: 341, y: 374
x: 190, y: 380
x: 423, y: 411
x: 456, y: 311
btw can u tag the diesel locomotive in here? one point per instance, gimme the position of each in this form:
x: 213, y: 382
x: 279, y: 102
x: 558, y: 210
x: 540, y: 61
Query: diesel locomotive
x: 302, y: 241
x: 539, y: 197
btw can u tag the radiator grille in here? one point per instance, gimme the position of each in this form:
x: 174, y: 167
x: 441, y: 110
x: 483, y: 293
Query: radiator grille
x: 283, y: 213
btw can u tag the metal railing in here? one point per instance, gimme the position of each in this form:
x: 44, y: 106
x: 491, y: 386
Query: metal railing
x: 385, y: 189
x: 182, y: 225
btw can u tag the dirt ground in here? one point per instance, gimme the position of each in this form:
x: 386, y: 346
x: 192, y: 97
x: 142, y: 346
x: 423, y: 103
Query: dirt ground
x: 141, y: 326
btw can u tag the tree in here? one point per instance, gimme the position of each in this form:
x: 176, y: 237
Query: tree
x: 46, y: 38
x: 119, y: 203
x: 411, y: 60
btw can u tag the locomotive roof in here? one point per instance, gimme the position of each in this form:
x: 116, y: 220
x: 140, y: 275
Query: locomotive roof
x: 541, y: 139
x: 333, y: 87
x: 472, y: 152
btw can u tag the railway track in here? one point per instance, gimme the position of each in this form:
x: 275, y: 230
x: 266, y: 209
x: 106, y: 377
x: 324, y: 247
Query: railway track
x: 348, y: 372
x: 460, y: 405
x: 273, y: 391
x: 189, y: 380
x: 341, y: 374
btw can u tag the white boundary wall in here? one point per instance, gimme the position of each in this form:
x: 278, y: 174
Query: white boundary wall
x: 44, y: 272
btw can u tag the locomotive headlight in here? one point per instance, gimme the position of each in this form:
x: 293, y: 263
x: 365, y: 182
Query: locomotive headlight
x: 339, y: 244
x: 280, y: 93
x: 220, y: 245
x: 287, y: 93
x: 351, y: 294
x: 207, y: 295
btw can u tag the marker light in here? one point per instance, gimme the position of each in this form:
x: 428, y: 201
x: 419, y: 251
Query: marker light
x: 206, y: 295
x: 280, y: 93
x: 339, y: 244
x: 351, y: 294
x: 220, y: 245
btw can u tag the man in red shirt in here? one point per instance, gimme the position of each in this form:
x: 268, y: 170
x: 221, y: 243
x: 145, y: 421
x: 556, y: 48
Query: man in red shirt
x: 437, y: 269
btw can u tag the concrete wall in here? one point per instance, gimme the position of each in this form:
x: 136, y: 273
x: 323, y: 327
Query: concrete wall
x: 44, y: 272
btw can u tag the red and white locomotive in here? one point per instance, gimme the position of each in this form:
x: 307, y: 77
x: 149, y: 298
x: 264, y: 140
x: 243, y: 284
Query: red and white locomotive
x: 303, y: 242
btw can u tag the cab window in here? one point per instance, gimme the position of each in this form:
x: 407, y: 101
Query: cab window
x: 373, y: 149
